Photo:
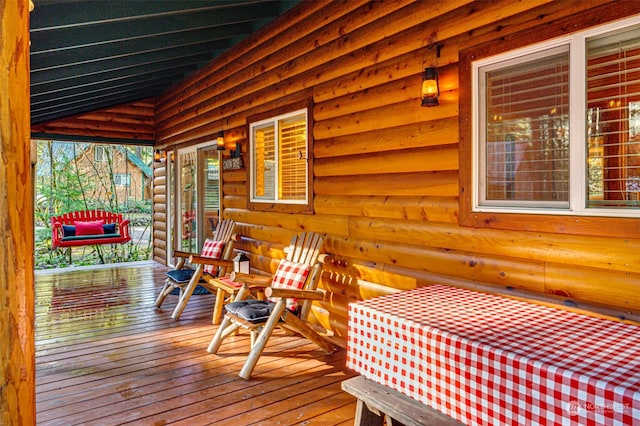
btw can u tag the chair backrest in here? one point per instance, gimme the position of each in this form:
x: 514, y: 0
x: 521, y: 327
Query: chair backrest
x: 305, y: 248
x: 224, y: 230
x: 224, y: 233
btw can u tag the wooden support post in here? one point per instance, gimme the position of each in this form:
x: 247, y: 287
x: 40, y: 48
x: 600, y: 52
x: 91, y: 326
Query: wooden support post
x: 17, y: 349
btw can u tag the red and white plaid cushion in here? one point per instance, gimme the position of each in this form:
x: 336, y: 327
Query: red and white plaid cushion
x: 212, y: 249
x: 290, y: 275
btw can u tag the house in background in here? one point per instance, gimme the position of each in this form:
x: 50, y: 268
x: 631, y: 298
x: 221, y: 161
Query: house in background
x: 112, y: 175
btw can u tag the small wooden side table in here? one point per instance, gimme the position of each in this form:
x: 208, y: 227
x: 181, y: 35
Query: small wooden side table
x: 224, y: 288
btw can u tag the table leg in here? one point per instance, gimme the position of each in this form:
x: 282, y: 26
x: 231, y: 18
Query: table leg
x: 366, y: 417
x: 217, y: 309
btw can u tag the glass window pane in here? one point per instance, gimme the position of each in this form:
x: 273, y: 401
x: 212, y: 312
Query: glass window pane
x: 211, y: 188
x: 613, y: 119
x: 264, y: 172
x: 188, y: 199
x: 293, y: 154
x: 526, y: 138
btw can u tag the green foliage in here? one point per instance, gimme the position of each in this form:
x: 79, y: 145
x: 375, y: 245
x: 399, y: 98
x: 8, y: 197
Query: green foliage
x: 137, y: 206
x: 67, y: 180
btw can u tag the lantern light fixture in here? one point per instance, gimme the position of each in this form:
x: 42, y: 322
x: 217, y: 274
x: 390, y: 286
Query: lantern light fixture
x: 430, y: 87
x: 220, y: 141
x: 159, y: 156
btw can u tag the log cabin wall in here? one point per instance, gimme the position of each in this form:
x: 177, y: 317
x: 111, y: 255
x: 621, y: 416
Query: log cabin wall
x: 386, y: 171
x: 160, y: 212
x: 131, y: 123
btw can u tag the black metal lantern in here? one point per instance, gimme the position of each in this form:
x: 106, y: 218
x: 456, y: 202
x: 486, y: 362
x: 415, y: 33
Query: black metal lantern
x: 159, y: 156
x: 430, y: 87
x: 220, y: 141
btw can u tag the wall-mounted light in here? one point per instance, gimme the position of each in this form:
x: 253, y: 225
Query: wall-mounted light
x: 430, y: 84
x: 159, y: 156
x: 220, y: 141
x: 234, y: 162
x: 237, y: 152
x: 430, y: 87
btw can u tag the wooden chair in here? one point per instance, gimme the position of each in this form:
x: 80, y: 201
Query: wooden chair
x: 214, y: 261
x: 289, y: 285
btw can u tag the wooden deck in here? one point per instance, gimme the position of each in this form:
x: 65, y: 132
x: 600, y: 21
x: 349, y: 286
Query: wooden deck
x: 106, y: 356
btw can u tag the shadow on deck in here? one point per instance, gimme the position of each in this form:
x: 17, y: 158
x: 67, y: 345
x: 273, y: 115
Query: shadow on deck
x: 106, y: 356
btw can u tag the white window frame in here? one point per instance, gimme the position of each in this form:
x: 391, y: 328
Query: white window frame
x: 99, y: 154
x: 275, y: 121
x: 119, y: 177
x: 577, y: 124
x: 178, y: 194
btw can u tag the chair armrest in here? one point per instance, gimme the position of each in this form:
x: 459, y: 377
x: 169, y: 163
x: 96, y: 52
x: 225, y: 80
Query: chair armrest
x: 183, y: 254
x: 123, y: 227
x: 252, y: 280
x: 56, y: 234
x: 295, y: 293
x: 203, y: 260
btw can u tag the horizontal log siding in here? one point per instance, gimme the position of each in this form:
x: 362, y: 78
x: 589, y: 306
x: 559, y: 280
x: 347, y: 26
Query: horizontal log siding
x: 159, y: 212
x: 134, y: 122
x: 386, y: 171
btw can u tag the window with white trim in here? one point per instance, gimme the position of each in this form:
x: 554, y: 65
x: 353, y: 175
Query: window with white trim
x: 122, y: 179
x: 99, y: 153
x: 279, y: 166
x: 558, y: 126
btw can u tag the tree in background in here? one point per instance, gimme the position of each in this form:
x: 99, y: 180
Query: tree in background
x: 82, y: 176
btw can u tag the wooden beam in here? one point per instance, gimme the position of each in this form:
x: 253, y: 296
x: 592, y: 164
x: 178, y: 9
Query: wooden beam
x: 17, y: 350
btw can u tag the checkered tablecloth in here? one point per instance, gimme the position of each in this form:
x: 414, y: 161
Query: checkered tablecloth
x: 489, y: 360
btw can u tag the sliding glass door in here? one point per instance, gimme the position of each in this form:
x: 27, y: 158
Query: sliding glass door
x: 209, y: 197
x: 196, y: 199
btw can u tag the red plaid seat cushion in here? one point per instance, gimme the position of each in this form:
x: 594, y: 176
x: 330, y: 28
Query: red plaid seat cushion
x: 212, y: 249
x: 290, y: 275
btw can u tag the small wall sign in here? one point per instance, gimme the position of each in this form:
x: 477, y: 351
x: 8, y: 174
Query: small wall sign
x: 234, y: 163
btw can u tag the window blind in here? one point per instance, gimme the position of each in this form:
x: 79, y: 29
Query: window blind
x: 526, y: 149
x: 211, y: 182
x: 293, y: 154
x: 613, y: 119
x: 264, y: 162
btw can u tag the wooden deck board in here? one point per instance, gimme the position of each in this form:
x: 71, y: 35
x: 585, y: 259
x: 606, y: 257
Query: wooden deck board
x: 106, y: 355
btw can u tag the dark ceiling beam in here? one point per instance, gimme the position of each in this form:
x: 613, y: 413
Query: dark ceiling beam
x: 97, y: 71
x: 86, y: 91
x: 129, y: 60
x: 100, y: 94
x: 118, y: 51
x: 57, y: 39
x: 50, y: 14
x: 187, y: 64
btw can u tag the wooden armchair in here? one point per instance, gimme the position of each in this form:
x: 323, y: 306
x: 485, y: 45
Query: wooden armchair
x: 289, y: 293
x: 214, y: 260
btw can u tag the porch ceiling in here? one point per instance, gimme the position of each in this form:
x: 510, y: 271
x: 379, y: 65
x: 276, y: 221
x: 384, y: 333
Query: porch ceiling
x: 93, y: 54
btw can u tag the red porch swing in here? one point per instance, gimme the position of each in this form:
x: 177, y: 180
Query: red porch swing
x: 88, y: 227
